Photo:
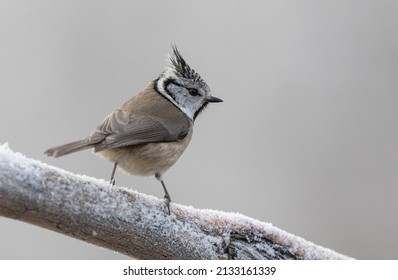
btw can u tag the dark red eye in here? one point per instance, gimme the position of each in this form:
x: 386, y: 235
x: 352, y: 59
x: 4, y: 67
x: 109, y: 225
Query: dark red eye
x: 193, y: 92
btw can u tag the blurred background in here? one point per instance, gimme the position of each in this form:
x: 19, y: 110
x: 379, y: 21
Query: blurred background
x: 306, y: 137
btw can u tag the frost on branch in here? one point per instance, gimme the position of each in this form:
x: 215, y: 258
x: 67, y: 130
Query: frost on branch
x: 136, y: 224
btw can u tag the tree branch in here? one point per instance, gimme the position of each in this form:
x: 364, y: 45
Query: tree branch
x: 135, y: 224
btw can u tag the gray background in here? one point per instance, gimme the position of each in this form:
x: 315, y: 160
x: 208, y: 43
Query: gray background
x: 306, y: 138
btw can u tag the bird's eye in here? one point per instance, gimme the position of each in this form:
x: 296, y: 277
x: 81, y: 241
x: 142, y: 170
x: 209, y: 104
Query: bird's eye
x: 193, y: 92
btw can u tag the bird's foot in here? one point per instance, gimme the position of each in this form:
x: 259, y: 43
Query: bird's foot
x: 167, y: 201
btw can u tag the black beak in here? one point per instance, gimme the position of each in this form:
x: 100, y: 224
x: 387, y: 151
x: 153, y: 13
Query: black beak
x: 213, y: 99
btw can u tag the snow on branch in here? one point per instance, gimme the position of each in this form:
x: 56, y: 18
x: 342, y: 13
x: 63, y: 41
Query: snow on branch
x: 136, y: 224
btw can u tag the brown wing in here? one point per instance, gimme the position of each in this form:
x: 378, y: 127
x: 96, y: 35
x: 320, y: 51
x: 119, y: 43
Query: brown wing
x: 119, y: 130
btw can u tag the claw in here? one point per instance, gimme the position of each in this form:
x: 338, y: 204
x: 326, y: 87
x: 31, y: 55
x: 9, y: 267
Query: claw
x: 167, y: 201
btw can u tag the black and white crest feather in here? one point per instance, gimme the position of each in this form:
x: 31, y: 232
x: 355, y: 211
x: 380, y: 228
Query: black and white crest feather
x: 181, y: 68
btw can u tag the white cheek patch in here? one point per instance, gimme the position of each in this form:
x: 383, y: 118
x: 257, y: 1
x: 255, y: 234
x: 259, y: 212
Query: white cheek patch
x: 160, y: 85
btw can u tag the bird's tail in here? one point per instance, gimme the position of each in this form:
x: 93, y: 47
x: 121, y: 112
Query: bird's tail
x: 65, y: 149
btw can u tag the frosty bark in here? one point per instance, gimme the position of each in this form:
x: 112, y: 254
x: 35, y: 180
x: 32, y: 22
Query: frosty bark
x: 136, y: 224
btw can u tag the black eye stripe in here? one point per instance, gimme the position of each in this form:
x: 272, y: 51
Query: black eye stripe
x: 170, y: 81
x: 192, y: 91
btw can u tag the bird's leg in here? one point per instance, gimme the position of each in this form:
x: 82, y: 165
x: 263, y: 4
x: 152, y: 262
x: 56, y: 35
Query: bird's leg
x: 112, y: 180
x: 167, y: 198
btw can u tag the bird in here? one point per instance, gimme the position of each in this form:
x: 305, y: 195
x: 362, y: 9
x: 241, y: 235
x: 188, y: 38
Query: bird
x: 148, y: 133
